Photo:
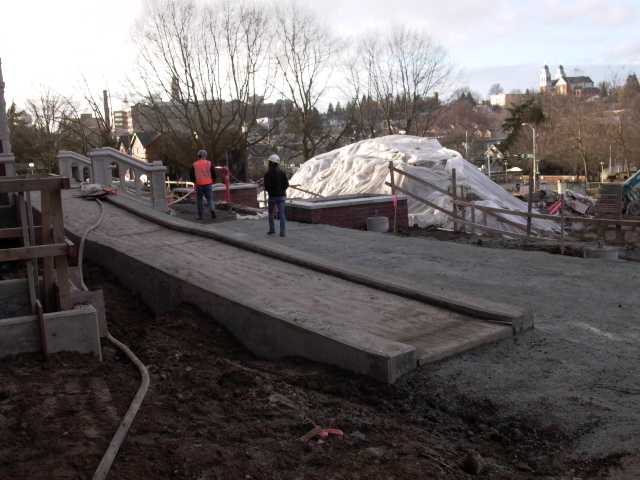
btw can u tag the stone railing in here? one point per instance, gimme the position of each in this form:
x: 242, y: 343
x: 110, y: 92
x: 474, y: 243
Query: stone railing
x: 138, y: 181
x: 68, y: 160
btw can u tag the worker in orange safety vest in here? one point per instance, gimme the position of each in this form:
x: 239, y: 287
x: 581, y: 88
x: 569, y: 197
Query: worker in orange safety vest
x: 203, y: 175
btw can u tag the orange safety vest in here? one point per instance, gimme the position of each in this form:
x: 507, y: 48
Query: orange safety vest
x: 202, y: 170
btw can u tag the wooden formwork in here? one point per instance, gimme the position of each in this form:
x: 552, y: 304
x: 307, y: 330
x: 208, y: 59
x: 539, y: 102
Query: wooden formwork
x: 46, y: 242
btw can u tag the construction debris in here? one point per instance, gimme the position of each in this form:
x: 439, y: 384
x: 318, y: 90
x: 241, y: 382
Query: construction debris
x: 575, y: 204
x: 95, y: 190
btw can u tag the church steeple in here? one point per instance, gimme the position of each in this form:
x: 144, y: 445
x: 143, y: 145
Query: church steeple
x: 560, y: 72
x: 545, y: 78
x: 5, y: 144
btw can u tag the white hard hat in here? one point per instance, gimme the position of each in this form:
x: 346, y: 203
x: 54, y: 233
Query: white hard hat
x: 274, y: 158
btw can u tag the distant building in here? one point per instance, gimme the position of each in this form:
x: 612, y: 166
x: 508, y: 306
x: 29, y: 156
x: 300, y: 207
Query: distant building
x: 580, y: 86
x: 509, y: 99
x: 123, y: 121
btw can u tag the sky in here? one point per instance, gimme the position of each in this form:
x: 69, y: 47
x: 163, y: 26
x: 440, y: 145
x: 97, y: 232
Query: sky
x: 495, y: 41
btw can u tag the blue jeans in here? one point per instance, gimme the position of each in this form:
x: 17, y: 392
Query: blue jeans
x: 279, y: 201
x: 207, y: 192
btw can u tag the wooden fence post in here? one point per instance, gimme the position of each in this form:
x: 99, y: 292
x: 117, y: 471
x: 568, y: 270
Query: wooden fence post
x: 530, y: 202
x: 453, y: 191
x: 562, y: 225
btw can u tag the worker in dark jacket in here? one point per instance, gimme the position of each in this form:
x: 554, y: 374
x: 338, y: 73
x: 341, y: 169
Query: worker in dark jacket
x: 276, y: 184
x: 203, y: 175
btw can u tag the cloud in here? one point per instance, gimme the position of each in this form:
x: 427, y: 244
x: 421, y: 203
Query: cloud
x: 625, y: 52
x: 600, y: 13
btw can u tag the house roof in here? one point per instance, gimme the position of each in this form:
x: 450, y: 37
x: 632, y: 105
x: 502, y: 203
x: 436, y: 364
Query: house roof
x: 145, y: 138
x: 125, y: 141
x: 572, y: 80
x: 260, y: 151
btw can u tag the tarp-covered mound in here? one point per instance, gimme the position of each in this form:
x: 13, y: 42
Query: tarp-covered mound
x: 363, y: 167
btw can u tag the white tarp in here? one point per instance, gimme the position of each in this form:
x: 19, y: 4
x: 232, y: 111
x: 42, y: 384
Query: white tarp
x: 363, y: 167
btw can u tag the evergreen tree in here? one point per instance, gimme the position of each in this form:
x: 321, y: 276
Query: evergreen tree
x: 631, y: 87
x: 528, y: 112
x: 603, y: 89
x: 22, y: 134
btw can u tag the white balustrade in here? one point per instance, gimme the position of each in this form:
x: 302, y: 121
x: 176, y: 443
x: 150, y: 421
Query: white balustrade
x: 68, y: 160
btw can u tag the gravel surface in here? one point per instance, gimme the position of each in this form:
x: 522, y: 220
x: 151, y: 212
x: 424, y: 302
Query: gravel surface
x: 578, y: 368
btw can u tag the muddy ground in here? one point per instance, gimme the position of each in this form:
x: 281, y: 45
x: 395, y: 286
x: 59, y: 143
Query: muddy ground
x: 214, y: 411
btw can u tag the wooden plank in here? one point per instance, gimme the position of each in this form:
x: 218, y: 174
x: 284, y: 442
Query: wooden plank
x: 72, y: 250
x: 305, y: 191
x: 17, y: 232
x: 426, y: 202
x: 455, y: 198
x: 473, y: 220
x: 595, y: 221
x: 618, y: 227
x: 31, y: 272
x: 32, y: 240
x: 49, y: 274
x: 510, y: 222
x: 453, y: 189
x: 530, y: 197
x: 61, y: 263
x: 424, y: 182
x: 497, y: 215
x: 460, y: 220
x: 562, y: 226
x: 35, y: 251
x: 14, y: 184
x: 393, y: 192
x: 43, y: 332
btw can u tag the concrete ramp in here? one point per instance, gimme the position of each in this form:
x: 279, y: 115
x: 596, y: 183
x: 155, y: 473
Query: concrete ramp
x: 279, y: 302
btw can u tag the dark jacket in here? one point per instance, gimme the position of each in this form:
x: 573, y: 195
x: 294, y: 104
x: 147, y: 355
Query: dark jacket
x: 276, y: 183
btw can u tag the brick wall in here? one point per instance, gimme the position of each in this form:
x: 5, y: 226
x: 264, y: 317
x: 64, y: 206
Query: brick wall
x: 241, y: 196
x: 247, y: 196
x: 350, y: 216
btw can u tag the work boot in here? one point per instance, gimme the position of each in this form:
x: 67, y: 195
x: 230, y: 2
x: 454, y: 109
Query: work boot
x: 213, y: 214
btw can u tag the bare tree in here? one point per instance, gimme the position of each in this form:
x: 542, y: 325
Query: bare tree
x: 574, y: 132
x: 306, y: 50
x: 200, y: 76
x: 88, y: 124
x: 46, y: 111
x: 407, y: 73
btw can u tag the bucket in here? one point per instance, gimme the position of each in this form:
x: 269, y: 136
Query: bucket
x: 377, y: 224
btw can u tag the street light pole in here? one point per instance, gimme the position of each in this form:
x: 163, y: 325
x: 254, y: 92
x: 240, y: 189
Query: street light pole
x: 535, y: 170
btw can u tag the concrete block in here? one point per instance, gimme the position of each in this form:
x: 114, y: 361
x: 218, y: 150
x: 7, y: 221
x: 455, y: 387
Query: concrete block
x: 14, y: 298
x: 20, y: 335
x: 73, y: 330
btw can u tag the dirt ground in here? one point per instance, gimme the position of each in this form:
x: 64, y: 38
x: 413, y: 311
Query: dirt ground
x: 214, y: 411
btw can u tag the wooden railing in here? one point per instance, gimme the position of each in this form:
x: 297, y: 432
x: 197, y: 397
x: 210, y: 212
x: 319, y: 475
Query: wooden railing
x: 500, y: 213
